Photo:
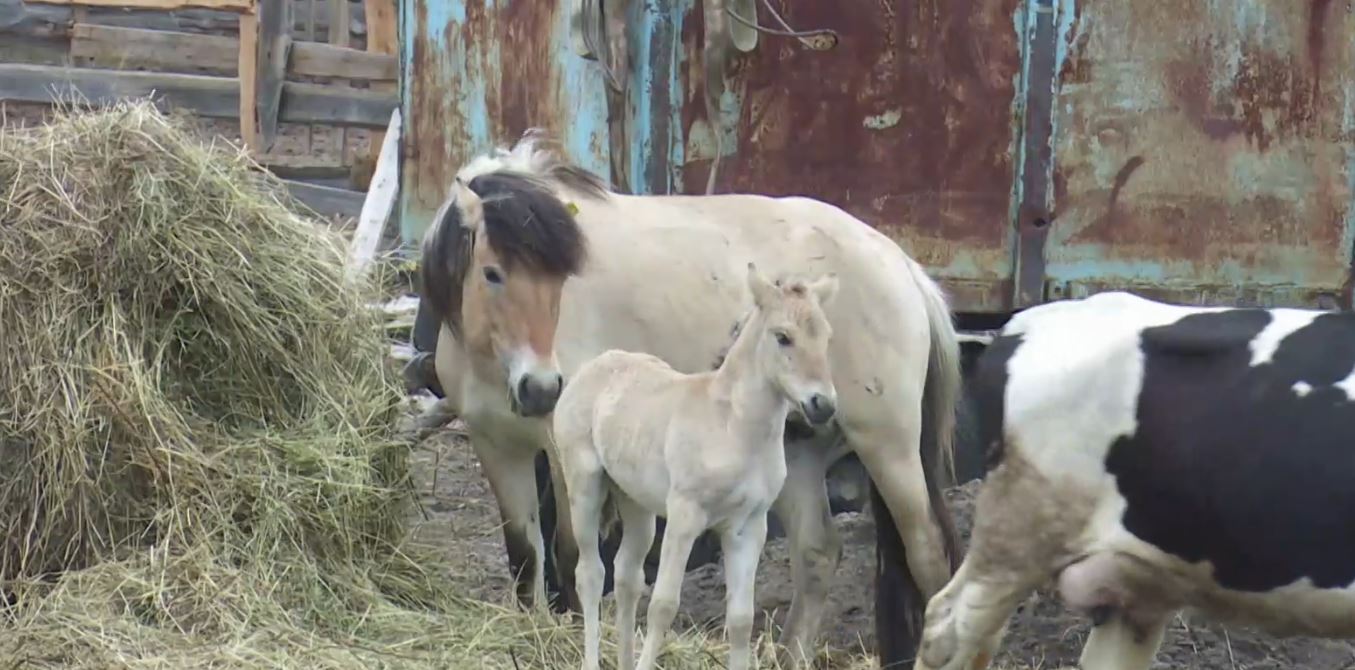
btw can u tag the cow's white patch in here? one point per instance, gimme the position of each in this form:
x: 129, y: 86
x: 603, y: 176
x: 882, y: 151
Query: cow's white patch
x: 1348, y: 385
x: 1283, y: 323
x: 1302, y: 389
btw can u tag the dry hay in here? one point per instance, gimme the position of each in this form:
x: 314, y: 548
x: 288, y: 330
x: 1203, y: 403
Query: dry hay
x: 198, y: 454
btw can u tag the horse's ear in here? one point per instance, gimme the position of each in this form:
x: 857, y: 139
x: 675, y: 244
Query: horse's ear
x: 471, y: 206
x: 825, y: 288
x: 763, y: 291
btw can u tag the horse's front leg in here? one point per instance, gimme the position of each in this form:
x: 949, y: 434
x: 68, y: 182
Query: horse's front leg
x: 815, y: 546
x: 686, y: 521
x: 742, y: 548
x: 512, y: 477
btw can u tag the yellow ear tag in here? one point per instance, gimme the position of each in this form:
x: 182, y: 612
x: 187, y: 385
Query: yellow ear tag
x: 573, y: 208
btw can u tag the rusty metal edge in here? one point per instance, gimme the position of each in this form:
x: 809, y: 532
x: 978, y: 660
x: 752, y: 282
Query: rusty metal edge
x: 1033, y: 216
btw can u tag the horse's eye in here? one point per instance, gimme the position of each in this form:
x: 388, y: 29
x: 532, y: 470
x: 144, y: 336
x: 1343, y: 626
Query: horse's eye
x: 492, y: 275
x: 783, y: 339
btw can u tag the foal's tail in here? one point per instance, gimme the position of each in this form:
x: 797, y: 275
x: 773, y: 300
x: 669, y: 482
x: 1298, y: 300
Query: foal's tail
x: 899, y: 599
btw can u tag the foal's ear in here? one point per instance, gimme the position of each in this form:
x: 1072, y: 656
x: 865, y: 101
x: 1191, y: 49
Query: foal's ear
x: 469, y: 202
x: 824, y: 288
x: 763, y: 291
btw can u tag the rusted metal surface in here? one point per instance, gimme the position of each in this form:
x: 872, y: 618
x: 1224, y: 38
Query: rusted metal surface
x: 1203, y: 151
x: 909, y: 123
x: 478, y: 73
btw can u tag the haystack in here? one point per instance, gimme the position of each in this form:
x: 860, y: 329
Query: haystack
x: 198, y: 463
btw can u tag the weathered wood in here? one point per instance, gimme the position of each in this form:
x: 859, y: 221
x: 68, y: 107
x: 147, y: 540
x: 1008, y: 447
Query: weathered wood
x: 171, y: 51
x: 323, y: 60
x: 34, y: 50
x: 380, y: 201
x: 340, y: 18
x: 275, y: 42
x: 325, y: 200
x: 160, y: 5
x: 213, y: 97
x: 247, y: 53
x: 126, y: 48
x: 20, y: 18
x: 382, y: 37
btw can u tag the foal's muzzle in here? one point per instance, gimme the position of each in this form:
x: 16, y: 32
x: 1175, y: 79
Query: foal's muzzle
x: 818, y: 409
x: 536, y: 395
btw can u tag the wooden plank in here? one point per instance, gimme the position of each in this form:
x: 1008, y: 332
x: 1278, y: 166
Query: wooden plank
x: 161, y: 5
x: 212, y: 97
x: 325, y: 200
x: 125, y: 48
x: 20, y: 18
x: 275, y: 42
x: 339, y: 20
x: 170, y: 51
x: 382, y: 37
x: 247, y: 52
x: 380, y: 201
x: 312, y: 59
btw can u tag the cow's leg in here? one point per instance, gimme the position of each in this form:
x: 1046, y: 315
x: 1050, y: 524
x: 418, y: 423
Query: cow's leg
x: 967, y: 619
x: 512, y: 478
x: 815, y: 545
x: 1124, y: 642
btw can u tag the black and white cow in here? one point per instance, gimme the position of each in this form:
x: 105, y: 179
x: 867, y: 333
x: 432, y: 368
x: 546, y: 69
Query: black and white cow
x: 1149, y: 458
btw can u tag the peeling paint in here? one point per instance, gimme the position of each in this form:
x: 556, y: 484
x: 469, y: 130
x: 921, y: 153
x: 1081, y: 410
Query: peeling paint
x: 883, y: 121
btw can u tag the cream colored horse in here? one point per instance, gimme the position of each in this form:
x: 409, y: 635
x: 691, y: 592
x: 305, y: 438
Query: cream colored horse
x: 704, y: 450
x: 536, y: 267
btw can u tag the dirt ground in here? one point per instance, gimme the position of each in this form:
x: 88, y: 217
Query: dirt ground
x: 462, y: 517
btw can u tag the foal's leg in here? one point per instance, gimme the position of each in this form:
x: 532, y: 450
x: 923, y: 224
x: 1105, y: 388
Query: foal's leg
x: 586, y: 494
x: 742, y: 548
x: 629, y: 571
x: 512, y: 478
x: 815, y: 545
x: 686, y: 520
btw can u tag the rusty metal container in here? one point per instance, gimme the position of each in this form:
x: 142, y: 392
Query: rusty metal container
x: 1023, y: 150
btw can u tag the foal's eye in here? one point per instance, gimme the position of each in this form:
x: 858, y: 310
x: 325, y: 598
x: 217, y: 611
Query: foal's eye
x: 492, y: 275
x: 783, y: 339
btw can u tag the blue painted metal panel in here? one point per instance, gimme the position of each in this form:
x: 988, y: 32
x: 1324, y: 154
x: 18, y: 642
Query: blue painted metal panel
x: 478, y: 73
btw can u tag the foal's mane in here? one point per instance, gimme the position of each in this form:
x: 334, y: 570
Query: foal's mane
x: 525, y: 221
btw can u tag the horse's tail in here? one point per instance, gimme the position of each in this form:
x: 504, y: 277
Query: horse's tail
x: 898, y: 596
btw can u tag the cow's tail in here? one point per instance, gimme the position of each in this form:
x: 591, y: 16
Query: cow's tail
x: 900, y: 603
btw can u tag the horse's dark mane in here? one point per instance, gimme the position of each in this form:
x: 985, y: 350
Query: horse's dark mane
x: 527, y: 226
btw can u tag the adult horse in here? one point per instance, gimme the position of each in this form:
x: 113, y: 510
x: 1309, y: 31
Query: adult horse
x: 534, y: 267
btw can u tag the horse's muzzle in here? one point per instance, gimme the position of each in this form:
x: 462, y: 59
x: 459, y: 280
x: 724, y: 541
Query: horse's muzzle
x: 536, y: 395
x: 818, y: 409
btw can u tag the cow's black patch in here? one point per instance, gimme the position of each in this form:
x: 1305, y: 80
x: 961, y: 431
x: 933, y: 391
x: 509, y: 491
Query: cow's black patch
x: 989, y: 387
x: 1229, y: 465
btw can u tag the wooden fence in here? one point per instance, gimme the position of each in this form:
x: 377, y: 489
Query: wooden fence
x: 182, y: 53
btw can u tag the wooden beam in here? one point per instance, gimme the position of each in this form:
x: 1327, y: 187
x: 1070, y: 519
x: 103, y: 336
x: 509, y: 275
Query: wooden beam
x: 247, y: 51
x: 212, y: 97
x: 169, y: 51
x: 326, y: 200
x: 275, y: 42
x: 376, y: 208
x: 383, y: 36
x: 339, y: 20
x: 21, y: 18
x: 162, y: 5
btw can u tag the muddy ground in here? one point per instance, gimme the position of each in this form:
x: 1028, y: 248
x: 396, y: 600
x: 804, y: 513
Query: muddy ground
x: 462, y: 517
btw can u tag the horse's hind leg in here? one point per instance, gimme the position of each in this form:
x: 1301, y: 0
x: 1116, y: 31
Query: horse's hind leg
x: 629, y: 571
x: 815, y: 546
x: 512, y: 477
x: 742, y: 548
x: 686, y: 520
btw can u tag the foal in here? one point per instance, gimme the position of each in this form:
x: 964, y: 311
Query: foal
x: 703, y: 450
